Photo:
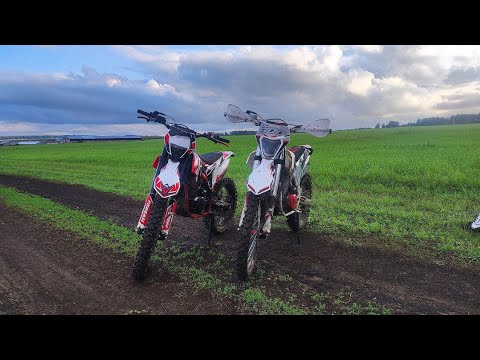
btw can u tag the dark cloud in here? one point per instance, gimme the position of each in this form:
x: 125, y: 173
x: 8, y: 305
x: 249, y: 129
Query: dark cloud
x: 460, y: 102
x: 90, y: 98
x: 354, y: 85
x: 466, y: 75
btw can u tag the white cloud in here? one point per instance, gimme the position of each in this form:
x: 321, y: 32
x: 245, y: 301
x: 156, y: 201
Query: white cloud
x: 160, y: 88
x: 370, y: 48
x: 28, y: 128
x: 360, y: 82
x: 112, y: 82
x: 8, y: 128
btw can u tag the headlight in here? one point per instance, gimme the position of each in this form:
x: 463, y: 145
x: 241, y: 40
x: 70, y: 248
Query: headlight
x: 177, y: 152
x: 270, y: 147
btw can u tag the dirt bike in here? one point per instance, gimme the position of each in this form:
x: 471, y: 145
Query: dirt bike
x: 278, y: 184
x: 475, y: 224
x: 186, y: 184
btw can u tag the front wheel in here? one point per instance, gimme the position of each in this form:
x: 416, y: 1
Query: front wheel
x: 250, y: 232
x: 150, y: 237
x: 299, y: 218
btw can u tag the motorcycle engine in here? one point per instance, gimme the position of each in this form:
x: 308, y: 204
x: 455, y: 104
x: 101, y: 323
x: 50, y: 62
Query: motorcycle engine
x: 197, y: 199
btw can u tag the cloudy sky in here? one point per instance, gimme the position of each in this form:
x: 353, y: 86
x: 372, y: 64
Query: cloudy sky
x: 97, y: 89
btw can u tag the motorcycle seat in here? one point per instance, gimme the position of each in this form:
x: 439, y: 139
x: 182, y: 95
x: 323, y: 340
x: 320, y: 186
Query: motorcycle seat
x: 211, y: 157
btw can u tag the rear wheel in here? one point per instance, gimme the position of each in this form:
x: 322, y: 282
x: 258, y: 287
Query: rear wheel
x: 224, y: 201
x: 297, y: 220
x: 150, y: 237
x: 250, y: 232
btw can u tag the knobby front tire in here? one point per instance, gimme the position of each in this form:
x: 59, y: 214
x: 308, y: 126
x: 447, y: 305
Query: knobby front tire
x: 150, y: 237
x: 248, y: 243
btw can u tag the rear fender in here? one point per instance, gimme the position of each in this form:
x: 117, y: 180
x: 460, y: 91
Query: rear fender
x: 301, y: 166
x: 221, y: 167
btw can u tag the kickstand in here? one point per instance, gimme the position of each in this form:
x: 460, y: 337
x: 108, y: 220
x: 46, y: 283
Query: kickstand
x: 298, y: 230
x: 210, y: 223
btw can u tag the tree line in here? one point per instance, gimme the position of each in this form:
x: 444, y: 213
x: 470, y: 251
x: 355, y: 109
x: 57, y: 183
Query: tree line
x: 454, y: 119
x: 236, y: 132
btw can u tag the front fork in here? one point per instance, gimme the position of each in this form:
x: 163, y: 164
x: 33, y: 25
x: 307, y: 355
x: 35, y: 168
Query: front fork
x: 271, y: 200
x: 147, y: 208
x: 167, y: 218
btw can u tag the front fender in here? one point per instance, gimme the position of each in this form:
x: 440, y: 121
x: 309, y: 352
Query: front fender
x: 167, y: 183
x: 261, y: 178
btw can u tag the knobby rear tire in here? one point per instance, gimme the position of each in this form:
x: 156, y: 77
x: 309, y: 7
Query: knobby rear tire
x: 231, y: 189
x: 297, y: 221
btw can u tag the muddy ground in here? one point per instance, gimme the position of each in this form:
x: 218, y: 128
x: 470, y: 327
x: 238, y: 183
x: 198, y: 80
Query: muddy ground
x: 47, y: 271
x: 405, y: 284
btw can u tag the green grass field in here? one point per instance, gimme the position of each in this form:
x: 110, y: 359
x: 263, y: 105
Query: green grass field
x: 410, y: 189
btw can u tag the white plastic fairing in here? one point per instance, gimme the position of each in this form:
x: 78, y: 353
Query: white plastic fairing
x: 236, y: 115
x: 220, y: 167
x: 167, y: 183
x: 251, y: 159
x: 476, y: 223
x: 318, y: 128
x: 261, y: 178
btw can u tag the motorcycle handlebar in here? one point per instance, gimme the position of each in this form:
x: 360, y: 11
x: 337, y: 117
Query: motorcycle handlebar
x: 144, y: 113
x: 160, y: 118
x: 222, y: 139
x: 214, y: 137
x: 154, y: 116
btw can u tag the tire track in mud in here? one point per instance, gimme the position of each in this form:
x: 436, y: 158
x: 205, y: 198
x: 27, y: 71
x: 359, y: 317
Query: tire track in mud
x: 48, y: 271
x: 404, y: 284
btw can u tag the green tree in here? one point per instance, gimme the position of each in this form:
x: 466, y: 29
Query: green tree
x: 392, y: 124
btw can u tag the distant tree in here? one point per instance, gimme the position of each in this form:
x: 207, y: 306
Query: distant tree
x: 377, y: 126
x: 383, y: 126
x: 454, y: 119
x: 392, y: 124
x: 242, y: 132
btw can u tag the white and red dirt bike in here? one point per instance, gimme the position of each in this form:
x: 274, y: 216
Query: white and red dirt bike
x: 186, y: 184
x: 475, y: 224
x: 278, y: 184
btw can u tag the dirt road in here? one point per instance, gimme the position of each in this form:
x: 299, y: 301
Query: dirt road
x: 405, y: 284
